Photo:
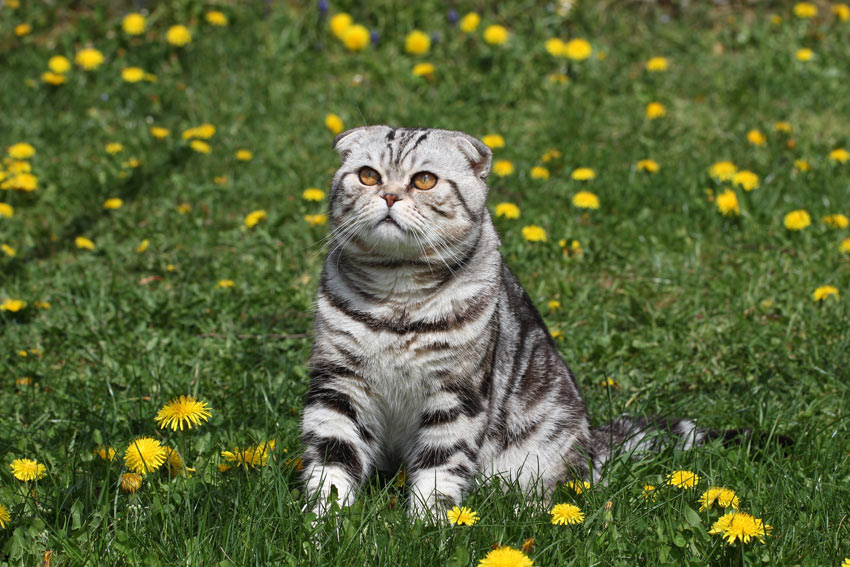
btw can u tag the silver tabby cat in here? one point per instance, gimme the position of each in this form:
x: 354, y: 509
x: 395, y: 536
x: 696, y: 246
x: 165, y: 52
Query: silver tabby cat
x: 428, y: 353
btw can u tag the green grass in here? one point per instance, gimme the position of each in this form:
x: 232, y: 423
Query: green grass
x: 668, y: 300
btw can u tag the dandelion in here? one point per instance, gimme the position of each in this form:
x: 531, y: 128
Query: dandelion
x: 204, y: 132
x: 534, y: 233
x: 583, y: 174
x: 563, y: 514
x: 503, y: 168
x: 649, y: 492
x: 105, y: 453
x: 842, y: 12
x: 840, y: 155
x: 27, y: 470
x: 184, y: 208
x: 824, y: 292
x: 656, y: 64
x: 8, y: 250
x: 493, y: 141
x: 740, y: 526
x: 59, y: 64
x: 12, y: 305
x: 554, y: 305
x: 143, y: 245
x: 144, y: 455
x: 804, y: 54
x: 244, y: 155
x: 586, y: 200
x: 801, y: 165
x: 253, y: 456
x: 22, y: 181
x: 21, y: 150
x: 425, y: 70
x: 805, y: 10
x: 539, y: 172
x: 83, y: 243
x: 114, y: 148
x: 496, y: 35
x: 224, y: 284
x: 131, y: 482
x: 550, y: 155
x: 316, y: 220
x: 334, y: 123
x: 52, y: 78
x: 220, y: 179
x: 723, y: 170
x: 507, y: 210
x: 469, y: 23
x: 836, y: 221
x: 178, y: 35
x: 683, y: 479
x: 717, y: 494
x: 114, y: 203
x: 647, y: 165
x: 252, y: 218
x: 577, y: 49
x: 313, y: 194
x: 183, y: 409
x: 558, y: 78
x: 506, y: 557
x: 6, y: 210
x: 132, y: 74
x: 797, y: 220
x: 339, y: 23
x: 200, y: 146
x: 89, y: 59
x: 22, y: 29
x: 579, y: 486
x: 417, y: 43
x: 176, y: 466
x: 655, y: 110
x: 727, y: 203
x: 555, y: 47
x: 462, y: 516
x: 5, y: 518
x: 756, y: 138
x: 356, y: 38
x: 216, y: 18
x: 159, y: 132
x: 746, y: 179
x: 782, y: 126
x: 134, y: 24
x: 131, y: 163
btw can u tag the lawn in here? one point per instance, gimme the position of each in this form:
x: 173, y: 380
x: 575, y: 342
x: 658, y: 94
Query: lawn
x: 157, y: 239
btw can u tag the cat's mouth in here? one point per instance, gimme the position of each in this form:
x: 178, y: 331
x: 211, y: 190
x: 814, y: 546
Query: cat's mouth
x: 388, y: 220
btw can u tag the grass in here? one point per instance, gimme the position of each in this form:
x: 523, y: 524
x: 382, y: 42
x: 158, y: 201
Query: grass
x: 689, y: 313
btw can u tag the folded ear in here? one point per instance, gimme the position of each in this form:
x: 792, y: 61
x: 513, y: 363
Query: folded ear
x: 477, y: 154
x: 347, y: 140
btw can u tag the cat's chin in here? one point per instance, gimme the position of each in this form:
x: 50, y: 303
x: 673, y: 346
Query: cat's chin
x: 388, y: 239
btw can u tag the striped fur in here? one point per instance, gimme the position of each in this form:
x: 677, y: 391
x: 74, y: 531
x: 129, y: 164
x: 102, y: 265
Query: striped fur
x: 428, y: 353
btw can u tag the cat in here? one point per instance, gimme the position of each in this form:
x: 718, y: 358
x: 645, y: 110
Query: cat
x: 428, y: 353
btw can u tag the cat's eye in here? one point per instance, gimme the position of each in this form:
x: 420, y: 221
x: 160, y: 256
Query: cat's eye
x: 424, y: 180
x: 369, y: 176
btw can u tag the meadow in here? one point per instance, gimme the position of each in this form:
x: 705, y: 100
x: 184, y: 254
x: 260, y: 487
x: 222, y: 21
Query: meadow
x: 671, y: 183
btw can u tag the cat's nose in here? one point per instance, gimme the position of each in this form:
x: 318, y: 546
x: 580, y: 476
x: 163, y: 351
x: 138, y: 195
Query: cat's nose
x: 390, y: 198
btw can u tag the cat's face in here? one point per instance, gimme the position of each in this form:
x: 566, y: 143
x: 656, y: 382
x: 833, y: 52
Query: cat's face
x: 408, y: 193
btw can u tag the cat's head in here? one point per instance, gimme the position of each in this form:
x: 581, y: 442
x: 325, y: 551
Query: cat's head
x: 413, y: 193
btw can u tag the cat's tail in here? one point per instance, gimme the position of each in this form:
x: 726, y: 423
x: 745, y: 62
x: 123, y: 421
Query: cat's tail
x: 636, y: 436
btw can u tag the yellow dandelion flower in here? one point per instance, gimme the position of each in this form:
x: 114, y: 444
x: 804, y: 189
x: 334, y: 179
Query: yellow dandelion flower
x: 131, y: 163
x: 586, y: 200
x: 583, y: 174
x: 178, y: 35
x: 59, y: 64
x: 5, y: 518
x: 462, y: 516
x: 846, y: 562
x: 555, y: 47
x: 22, y: 182
x: 21, y: 150
x: 204, y: 132
x: 12, y: 305
x: 114, y: 203
x: 756, y: 138
x: 683, y: 479
x: 425, y: 70
x: 550, y: 155
x: 507, y: 210
x: 182, y: 409
x: 836, y: 221
x: 723, y: 170
x: 83, y: 243
x: 554, y: 305
x: 144, y: 455
x: 27, y: 470
x: 22, y: 29
x: 469, y: 23
x: 727, y: 203
x: 224, y: 284
x: 131, y: 482
x: 723, y: 497
x: 52, y: 78
x: 143, y: 245
x: 316, y: 220
x: 132, y: 74
x: 252, y: 218
x: 8, y: 250
x: 534, y: 233
x: 740, y: 526
x: 842, y: 12
x: 840, y: 155
x: 506, y: 557
x: 649, y: 492
x: 159, y: 132
x: 253, y: 456
x: 339, y: 23
x: 313, y: 194
x: 220, y: 179
x: 656, y: 64
x: 6, y: 210
x: 184, y: 208
x: 114, y: 148
x: 176, y: 466
x: 563, y: 514
x: 496, y: 35
x: 782, y: 126
x: 200, y: 146
x: 802, y: 165
x: 216, y: 18
x: 577, y: 49
x: 558, y: 78
x: 244, y: 155
x: 539, y: 172
x: 797, y: 220
x: 105, y: 453
x: 89, y: 59
x: 417, y: 43
x: 356, y: 38
x: 493, y: 141
x: 824, y: 292
x: 134, y: 24
x: 17, y: 166
x: 655, y: 110
x: 579, y: 486
x: 503, y: 168
x: 805, y: 10
x: 334, y: 124
x: 648, y: 165
x: 746, y: 179
x: 804, y: 54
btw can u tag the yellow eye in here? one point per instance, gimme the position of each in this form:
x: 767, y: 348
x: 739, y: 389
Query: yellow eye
x: 369, y: 176
x: 424, y: 180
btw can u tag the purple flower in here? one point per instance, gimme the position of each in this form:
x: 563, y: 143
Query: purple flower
x: 452, y: 16
x: 375, y: 37
x: 323, y: 6
x: 436, y: 37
